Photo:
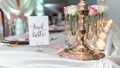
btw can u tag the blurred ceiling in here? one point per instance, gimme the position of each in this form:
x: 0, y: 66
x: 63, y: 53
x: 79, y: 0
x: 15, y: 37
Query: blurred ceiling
x: 54, y: 6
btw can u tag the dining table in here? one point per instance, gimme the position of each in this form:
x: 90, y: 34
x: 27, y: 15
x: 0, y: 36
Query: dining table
x: 25, y: 56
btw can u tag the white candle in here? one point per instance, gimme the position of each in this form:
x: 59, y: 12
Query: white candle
x: 109, y: 23
x: 103, y: 36
x: 106, y: 29
x: 100, y: 44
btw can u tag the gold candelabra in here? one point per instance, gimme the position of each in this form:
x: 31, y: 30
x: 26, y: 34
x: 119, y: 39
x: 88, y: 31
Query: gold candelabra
x: 82, y: 51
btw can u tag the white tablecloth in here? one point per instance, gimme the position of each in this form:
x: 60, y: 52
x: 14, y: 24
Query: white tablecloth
x: 29, y: 59
x: 24, y: 56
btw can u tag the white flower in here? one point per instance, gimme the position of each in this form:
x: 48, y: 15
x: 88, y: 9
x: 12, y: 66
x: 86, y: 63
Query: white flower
x: 71, y: 9
x: 101, y: 8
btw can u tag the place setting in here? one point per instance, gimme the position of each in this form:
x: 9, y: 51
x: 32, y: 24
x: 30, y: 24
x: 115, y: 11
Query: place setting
x: 23, y: 39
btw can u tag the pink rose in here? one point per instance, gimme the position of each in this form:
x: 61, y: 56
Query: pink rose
x: 65, y: 10
x: 92, y: 11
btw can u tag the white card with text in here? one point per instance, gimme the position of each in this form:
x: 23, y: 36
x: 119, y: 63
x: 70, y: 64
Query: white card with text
x: 38, y: 30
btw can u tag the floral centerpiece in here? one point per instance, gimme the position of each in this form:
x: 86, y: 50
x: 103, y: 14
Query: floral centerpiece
x: 90, y: 35
x: 93, y: 10
x: 96, y: 24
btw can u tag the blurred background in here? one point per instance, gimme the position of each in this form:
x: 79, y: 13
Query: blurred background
x: 52, y: 8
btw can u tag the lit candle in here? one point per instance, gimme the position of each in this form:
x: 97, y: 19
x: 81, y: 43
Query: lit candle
x: 102, y: 36
x: 107, y: 27
x: 100, y: 44
x: 109, y: 23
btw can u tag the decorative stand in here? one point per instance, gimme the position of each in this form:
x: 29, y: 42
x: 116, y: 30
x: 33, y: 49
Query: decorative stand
x: 82, y: 51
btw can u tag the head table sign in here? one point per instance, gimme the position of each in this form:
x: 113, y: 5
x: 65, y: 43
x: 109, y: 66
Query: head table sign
x: 38, y: 30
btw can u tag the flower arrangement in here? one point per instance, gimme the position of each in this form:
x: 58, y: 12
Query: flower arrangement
x: 70, y: 10
x: 95, y: 31
x: 93, y: 9
x: 100, y: 8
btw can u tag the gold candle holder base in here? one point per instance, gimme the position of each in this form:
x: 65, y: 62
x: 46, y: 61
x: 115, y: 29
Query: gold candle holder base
x: 80, y: 52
